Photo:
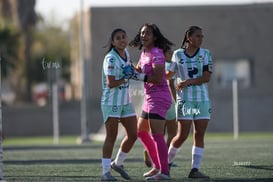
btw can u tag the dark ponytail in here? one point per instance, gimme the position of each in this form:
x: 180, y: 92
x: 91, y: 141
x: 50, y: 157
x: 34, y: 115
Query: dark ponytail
x: 109, y: 44
x: 191, y: 30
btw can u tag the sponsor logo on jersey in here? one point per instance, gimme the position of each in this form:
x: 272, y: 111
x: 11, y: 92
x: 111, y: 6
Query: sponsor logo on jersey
x: 192, y: 72
x: 157, y: 59
x: 124, y: 86
x: 111, y: 60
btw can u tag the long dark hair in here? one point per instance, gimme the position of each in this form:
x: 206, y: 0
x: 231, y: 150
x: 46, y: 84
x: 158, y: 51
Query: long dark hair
x: 191, y: 30
x: 160, y: 42
x: 109, y: 44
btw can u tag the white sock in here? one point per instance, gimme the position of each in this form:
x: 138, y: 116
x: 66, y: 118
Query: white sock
x: 106, y: 165
x: 172, y: 153
x: 121, y: 156
x: 197, y: 154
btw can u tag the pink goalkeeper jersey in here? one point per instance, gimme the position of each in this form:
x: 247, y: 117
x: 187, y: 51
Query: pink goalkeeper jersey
x: 147, y: 61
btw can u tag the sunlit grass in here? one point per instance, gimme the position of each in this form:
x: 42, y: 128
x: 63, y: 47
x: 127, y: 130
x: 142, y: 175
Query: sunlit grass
x: 29, y: 159
x: 41, y: 140
x: 66, y: 140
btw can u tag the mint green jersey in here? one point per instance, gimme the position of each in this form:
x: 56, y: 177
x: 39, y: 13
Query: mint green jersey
x: 187, y: 67
x: 112, y: 66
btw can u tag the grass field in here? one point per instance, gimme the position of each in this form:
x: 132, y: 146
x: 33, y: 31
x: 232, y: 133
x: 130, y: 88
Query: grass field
x: 250, y: 158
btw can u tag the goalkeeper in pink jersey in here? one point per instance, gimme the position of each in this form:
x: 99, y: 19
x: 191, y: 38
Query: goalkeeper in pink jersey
x: 151, y: 70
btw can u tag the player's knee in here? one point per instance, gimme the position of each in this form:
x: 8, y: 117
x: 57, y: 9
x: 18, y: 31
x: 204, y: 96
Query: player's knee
x: 133, y: 137
x: 181, y: 139
x: 199, y: 135
x: 111, y: 138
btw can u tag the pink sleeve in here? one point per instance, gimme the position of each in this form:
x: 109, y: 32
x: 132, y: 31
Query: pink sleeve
x: 157, y: 56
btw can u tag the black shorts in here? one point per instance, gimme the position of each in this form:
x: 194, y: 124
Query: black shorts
x: 146, y: 115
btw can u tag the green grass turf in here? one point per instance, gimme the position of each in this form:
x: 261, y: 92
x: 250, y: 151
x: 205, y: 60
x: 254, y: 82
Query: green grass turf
x: 250, y: 158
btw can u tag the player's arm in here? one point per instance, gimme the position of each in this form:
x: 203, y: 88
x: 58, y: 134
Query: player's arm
x: 171, y: 71
x: 138, y: 68
x: 155, y: 77
x: 200, y: 80
x: 112, y: 82
x: 157, y: 74
x: 172, y: 88
x: 169, y: 75
x: 207, y: 71
x: 195, y: 81
x: 110, y: 68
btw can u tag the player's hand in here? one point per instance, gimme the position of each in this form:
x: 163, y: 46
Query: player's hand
x: 183, y: 84
x: 128, y: 71
x: 138, y: 76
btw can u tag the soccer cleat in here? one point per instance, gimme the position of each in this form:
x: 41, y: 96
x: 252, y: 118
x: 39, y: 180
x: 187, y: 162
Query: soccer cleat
x: 159, y: 176
x: 195, y: 173
x: 108, y: 177
x: 120, y: 170
x: 150, y: 173
x: 147, y: 159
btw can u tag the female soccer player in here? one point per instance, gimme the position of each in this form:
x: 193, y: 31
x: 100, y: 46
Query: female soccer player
x: 171, y: 125
x: 116, y: 105
x: 193, y: 67
x: 151, y: 70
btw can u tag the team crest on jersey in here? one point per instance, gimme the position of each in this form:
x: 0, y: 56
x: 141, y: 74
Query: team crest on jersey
x: 200, y: 58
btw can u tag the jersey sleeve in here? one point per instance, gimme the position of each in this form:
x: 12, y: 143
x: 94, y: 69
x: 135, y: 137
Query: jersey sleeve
x: 109, y: 66
x: 157, y: 57
x: 208, y: 66
x: 167, y: 68
x: 173, y: 65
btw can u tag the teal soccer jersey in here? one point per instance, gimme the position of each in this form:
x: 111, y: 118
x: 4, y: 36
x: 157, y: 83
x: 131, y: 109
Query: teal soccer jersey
x: 112, y: 66
x: 187, y: 67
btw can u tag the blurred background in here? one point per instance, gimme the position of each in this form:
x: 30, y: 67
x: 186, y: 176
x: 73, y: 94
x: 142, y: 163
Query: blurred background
x: 51, y: 56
